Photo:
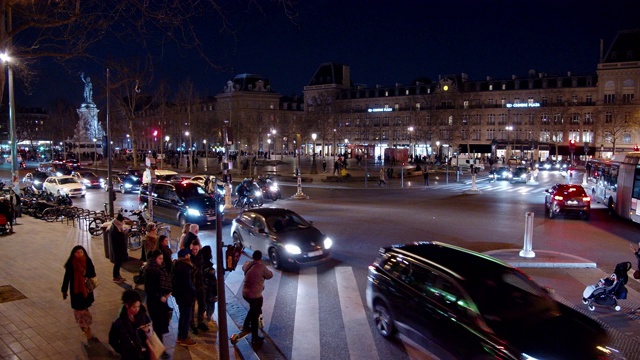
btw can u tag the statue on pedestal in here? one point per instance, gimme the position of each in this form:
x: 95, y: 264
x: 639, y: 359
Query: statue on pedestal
x: 88, y: 89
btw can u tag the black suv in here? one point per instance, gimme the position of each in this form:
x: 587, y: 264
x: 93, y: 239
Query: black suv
x: 459, y: 304
x: 180, y: 203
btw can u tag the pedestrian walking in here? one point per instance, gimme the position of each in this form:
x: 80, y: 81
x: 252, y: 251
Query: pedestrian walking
x: 425, y: 175
x: 381, y: 179
x: 190, y: 236
x: 129, y: 332
x: 77, y: 269
x: 157, y: 285
x: 255, y: 273
x: 118, y: 246
x: 210, y: 283
x: 324, y: 166
x: 184, y: 292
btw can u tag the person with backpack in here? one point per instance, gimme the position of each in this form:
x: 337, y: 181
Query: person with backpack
x: 184, y: 292
x: 255, y: 273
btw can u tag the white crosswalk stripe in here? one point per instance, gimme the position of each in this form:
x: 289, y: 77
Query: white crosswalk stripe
x: 307, y: 318
x: 491, y: 187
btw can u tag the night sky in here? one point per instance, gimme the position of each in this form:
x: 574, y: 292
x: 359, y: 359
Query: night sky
x: 384, y: 42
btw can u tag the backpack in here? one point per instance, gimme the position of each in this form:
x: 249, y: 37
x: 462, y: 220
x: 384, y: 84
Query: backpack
x: 139, y: 279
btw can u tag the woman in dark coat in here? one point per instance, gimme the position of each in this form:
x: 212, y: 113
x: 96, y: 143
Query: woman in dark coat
x: 118, y: 240
x: 128, y: 334
x: 77, y: 268
x: 157, y: 285
x: 163, y: 245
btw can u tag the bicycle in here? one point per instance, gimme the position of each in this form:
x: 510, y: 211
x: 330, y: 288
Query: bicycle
x: 138, y: 232
x: 95, y: 226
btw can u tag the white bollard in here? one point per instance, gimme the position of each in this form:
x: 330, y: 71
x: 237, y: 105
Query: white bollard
x: 527, y: 250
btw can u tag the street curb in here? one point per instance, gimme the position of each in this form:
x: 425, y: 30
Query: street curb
x: 543, y: 259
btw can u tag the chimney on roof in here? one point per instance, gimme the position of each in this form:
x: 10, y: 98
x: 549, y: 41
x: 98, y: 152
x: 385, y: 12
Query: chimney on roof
x: 569, y: 73
x: 489, y: 78
x: 513, y: 77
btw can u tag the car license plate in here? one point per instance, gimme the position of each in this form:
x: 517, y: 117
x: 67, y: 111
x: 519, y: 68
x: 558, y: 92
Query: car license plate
x: 572, y: 202
x: 314, y: 253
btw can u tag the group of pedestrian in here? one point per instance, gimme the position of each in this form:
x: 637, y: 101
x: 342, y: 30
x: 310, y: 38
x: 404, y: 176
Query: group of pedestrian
x: 191, y: 280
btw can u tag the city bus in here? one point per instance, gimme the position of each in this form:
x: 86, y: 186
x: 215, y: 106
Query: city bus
x: 616, y: 184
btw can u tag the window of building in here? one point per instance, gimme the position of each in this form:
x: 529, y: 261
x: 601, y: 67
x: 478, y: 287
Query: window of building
x: 626, y: 138
x: 545, y: 100
x: 559, y: 100
x: 544, y: 118
x: 417, y: 106
x: 502, y: 119
x: 385, y: 121
x: 386, y: 93
x: 574, y: 99
x: 575, y: 118
x: 609, y: 98
x: 477, y: 119
x: 427, y: 120
x: 465, y: 104
x: 557, y: 136
x: 575, y: 135
x: 396, y: 106
x: 530, y: 119
x: 588, y: 118
x: 491, y: 134
x: 557, y: 119
x: 503, y: 134
x: 627, y: 98
x: 475, y: 135
x: 545, y: 136
x: 587, y: 136
x: 516, y: 101
x: 503, y: 101
x: 589, y: 100
x: 491, y: 101
x: 608, y: 117
x: 530, y: 101
x: 504, y: 86
x: 608, y: 137
x: 406, y: 92
x: 490, y: 87
x: 491, y: 119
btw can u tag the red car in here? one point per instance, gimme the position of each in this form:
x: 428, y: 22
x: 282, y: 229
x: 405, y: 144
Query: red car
x: 567, y: 199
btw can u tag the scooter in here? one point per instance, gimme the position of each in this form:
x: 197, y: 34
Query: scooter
x: 270, y: 190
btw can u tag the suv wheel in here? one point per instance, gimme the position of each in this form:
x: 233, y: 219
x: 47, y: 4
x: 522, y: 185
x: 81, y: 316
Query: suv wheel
x: 122, y: 189
x: 182, y: 220
x: 274, y: 257
x: 383, y: 320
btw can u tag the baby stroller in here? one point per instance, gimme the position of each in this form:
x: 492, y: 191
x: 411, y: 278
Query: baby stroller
x: 608, y: 291
x: 4, y: 225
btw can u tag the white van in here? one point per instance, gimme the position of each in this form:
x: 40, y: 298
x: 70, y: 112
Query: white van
x: 464, y: 163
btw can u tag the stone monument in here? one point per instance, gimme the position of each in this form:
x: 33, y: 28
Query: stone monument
x: 88, y: 127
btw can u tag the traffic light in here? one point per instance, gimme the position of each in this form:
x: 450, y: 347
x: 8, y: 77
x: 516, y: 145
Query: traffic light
x: 155, y: 133
x: 572, y: 145
x: 636, y: 148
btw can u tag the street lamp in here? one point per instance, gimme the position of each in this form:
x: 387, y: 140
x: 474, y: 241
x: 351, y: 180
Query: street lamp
x: 128, y: 141
x: 437, y: 150
x: 411, y: 150
x: 314, y: 166
x: 95, y: 154
x: 190, y: 156
x: 269, y: 147
x: 206, y: 155
x: 273, y: 132
x: 6, y: 59
x: 508, y: 152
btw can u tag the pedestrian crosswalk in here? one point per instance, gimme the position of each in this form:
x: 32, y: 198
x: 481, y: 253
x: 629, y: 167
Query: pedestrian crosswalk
x: 484, y: 186
x: 320, y: 313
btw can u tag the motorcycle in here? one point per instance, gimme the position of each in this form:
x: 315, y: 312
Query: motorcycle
x: 251, y: 201
x: 270, y: 189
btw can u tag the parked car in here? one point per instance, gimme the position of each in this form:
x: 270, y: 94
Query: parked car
x: 459, y: 304
x: 180, y: 202
x: 88, y: 178
x: 284, y: 236
x: 200, y: 179
x: 167, y: 175
x: 64, y: 185
x: 520, y: 174
x: 564, y: 199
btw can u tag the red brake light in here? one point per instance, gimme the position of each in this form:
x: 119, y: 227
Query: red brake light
x: 557, y: 197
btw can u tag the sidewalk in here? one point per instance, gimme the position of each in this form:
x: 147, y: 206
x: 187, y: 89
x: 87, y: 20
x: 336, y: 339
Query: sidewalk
x: 36, y: 323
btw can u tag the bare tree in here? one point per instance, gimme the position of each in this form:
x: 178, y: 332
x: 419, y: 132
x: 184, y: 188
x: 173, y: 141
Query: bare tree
x: 186, y: 100
x: 616, y: 121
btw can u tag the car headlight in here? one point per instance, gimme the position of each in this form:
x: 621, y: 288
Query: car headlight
x: 328, y: 243
x: 86, y: 182
x: 293, y: 249
x: 193, y: 212
x: 524, y: 356
x: 128, y: 185
x: 37, y: 182
x: 258, y: 193
x: 58, y: 174
x: 62, y: 191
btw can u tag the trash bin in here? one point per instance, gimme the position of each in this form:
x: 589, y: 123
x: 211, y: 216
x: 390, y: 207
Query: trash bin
x: 108, y: 252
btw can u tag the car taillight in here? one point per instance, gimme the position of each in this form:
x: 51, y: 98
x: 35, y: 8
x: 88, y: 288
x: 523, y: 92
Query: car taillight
x: 586, y: 199
x: 557, y: 197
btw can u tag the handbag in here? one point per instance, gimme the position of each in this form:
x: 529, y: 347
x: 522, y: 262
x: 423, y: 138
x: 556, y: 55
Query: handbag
x: 91, y: 283
x: 636, y: 274
x: 155, y: 345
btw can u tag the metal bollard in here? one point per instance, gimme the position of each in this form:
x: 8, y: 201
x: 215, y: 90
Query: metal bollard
x: 527, y: 251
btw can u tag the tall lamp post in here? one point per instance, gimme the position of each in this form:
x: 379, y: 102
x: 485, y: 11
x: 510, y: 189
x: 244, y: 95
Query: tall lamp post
x: 95, y: 154
x: 314, y: 166
x: 166, y: 145
x: 437, y: 150
x: 299, y: 195
x: 411, y: 150
x: 206, y: 155
x: 508, y: 152
x: 190, y: 156
x: 6, y: 59
x: 273, y: 133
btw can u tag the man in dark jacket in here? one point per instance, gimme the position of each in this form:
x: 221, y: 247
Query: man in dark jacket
x: 191, y: 235
x: 184, y: 292
x: 118, y: 240
x: 198, y: 276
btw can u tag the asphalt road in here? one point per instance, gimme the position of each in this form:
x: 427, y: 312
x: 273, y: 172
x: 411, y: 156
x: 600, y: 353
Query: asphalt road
x: 316, y: 311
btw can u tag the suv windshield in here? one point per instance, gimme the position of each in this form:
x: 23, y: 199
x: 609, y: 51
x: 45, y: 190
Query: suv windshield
x: 188, y: 190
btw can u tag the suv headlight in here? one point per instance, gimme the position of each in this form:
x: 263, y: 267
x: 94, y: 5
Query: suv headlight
x: 293, y: 249
x: 328, y: 243
x: 127, y: 185
x: 193, y: 212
